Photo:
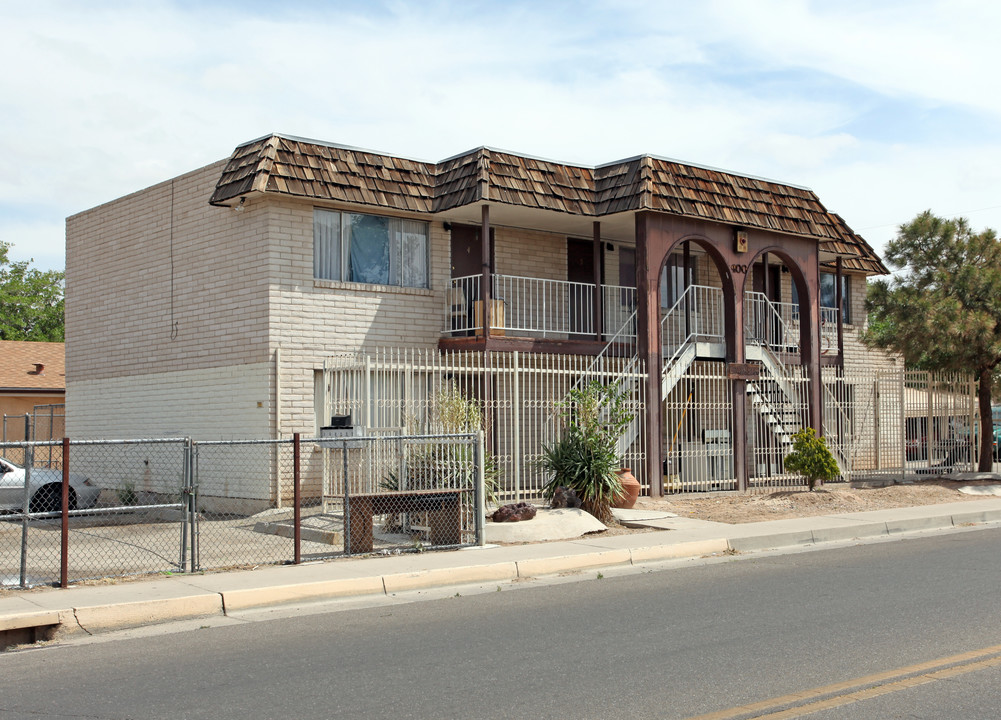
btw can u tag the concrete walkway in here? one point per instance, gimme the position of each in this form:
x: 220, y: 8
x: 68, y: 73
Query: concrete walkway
x: 48, y: 612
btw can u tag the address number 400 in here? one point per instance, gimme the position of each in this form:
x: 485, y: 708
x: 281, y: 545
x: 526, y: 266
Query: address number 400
x: 738, y: 268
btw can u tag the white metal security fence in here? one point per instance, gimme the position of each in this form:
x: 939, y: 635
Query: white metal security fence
x: 513, y: 397
x: 901, y: 424
x: 888, y: 424
x: 124, y: 507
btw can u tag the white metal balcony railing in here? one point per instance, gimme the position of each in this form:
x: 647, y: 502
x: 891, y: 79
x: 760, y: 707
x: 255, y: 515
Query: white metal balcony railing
x: 696, y: 316
x: 777, y: 325
x: 557, y: 309
x: 537, y: 307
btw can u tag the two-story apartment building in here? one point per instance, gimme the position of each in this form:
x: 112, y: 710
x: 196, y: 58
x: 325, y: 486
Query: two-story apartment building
x: 216, y: 304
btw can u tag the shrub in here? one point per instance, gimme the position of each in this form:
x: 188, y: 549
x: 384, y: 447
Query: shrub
x: 811, y: 458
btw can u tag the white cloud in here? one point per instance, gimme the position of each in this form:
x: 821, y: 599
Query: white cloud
x: 109, y: 97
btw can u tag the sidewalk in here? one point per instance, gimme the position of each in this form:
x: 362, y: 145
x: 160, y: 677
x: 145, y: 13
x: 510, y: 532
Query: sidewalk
x: 100, y: 608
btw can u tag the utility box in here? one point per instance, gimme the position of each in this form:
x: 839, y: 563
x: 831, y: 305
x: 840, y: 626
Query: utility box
x: 340, y: 433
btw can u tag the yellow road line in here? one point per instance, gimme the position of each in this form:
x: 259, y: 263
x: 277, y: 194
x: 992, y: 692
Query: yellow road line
x: 850, y: 691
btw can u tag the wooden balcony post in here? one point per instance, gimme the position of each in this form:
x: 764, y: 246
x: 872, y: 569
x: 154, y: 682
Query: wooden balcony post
x: 839, y: 304
x: 648, y: 349
x: 485, y: 291
x: 599, y: 318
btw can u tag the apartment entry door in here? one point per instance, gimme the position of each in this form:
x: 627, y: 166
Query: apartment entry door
x: 580, y: 269
x: 467, y: 273
x: 768, y: 326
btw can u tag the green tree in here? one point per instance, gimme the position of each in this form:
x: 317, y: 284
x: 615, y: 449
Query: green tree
x: 31, y: 301
x: 942, y: 311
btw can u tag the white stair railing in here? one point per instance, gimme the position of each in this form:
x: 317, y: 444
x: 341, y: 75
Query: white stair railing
x: 696, y: 316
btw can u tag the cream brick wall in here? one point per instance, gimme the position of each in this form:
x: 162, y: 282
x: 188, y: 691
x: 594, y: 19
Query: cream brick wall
x: 313, y: 319
x: 160, y: 281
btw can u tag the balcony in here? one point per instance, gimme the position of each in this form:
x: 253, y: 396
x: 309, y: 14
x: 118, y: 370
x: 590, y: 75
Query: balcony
x: 560, y: 312
x: 538, y: 308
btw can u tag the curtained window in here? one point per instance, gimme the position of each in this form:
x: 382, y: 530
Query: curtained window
x: 372, y: 249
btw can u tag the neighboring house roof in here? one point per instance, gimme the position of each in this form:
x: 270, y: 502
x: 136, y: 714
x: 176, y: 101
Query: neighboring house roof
x: 32, y: 367
x: 313, y: 169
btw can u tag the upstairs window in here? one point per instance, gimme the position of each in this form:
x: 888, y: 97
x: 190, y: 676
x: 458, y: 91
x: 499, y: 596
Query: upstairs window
x: 828, y: 296
x: 352, y: 247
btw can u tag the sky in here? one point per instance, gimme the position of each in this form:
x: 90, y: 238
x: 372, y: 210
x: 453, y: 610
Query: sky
x: 884, y: 109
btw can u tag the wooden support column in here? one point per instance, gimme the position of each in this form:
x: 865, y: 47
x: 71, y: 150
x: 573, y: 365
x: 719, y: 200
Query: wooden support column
x: 486, y: 278
x: 599, y: 317
x: 813, y: 354
x: 737, y: 353
x: 686, y: 282
x: 648, y: 349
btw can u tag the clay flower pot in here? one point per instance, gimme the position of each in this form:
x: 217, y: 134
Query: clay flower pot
x: 630, y: 489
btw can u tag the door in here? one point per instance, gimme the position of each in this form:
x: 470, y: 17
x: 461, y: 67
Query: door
x: 467, y: 251
x: 580, y: 299
x: 466, y: 274
x: 767, y: 325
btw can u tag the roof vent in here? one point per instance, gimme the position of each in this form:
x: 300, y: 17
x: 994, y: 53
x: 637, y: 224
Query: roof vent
x: 39, y: 367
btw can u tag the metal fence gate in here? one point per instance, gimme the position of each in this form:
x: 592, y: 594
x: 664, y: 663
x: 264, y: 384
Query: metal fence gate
x: 174, y: 505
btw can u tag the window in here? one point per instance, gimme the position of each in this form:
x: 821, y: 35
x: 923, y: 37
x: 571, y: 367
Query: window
x: 828, y: 298
x: 370, y: 249
x: 672, y: 280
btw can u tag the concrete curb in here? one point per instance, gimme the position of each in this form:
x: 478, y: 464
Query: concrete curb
x: 206, y: 596
x: 114, y: 616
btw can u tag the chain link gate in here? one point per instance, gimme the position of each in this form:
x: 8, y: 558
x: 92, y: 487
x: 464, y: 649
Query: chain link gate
x: 124, y: 510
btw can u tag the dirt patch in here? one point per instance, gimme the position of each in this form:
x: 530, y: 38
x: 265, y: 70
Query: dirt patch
x: 833, y: 498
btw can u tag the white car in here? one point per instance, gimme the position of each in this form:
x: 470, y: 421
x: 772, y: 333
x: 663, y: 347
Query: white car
x: 45, y: 490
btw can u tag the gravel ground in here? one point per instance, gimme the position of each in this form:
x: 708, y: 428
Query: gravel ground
x: 834, y: 498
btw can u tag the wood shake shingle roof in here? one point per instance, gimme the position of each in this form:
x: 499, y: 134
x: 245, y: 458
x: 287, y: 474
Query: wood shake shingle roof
x: 307, y: 168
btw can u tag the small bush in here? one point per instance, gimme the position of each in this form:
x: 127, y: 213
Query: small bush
x: 811, y: 458
x: 127, y: 493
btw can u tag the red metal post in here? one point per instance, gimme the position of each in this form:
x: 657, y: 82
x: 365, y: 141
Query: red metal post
x: 296, y: 499
x: 64, y: 539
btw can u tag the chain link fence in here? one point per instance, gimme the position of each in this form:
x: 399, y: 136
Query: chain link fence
x: 96, y: 509
x: 44, y: 422
x: 124, y: 502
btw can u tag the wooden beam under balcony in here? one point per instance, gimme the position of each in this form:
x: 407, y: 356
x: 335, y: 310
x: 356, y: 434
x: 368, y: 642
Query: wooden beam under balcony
x: 522, y: 344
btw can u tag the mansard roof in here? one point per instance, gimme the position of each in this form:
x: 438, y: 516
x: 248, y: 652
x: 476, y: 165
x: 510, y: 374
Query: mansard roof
x: 324, y: 171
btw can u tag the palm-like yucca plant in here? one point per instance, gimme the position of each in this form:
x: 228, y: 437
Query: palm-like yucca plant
x: 585, y: 458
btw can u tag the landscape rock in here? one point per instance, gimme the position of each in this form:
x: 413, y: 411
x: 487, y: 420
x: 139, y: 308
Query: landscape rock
x: 564, y: 497
x: 515, y: 512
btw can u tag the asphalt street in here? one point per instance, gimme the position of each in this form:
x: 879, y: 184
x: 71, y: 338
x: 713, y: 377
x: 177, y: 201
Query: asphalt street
x: 670, y: 644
